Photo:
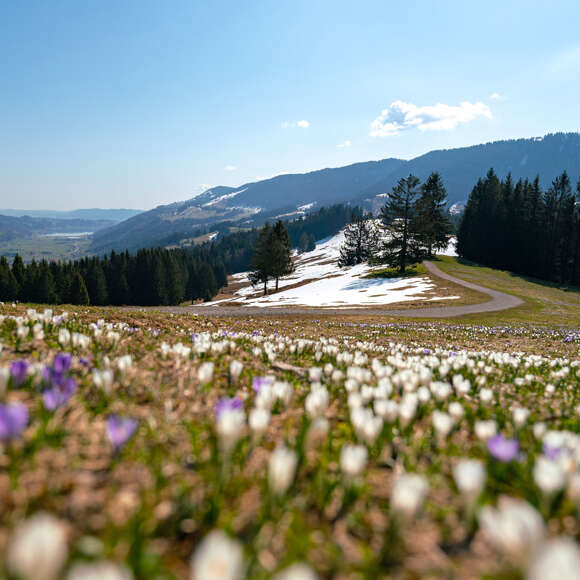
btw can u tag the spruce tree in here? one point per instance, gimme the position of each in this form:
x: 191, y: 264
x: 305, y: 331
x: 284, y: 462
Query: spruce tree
x: 401, y: 247
x: 8, y: 283
x: 78, y: 290
x: 281, y: 252
x: 360, y: 242
x: 261, y: 264
x: 18, y: 270
x: 432, y: 225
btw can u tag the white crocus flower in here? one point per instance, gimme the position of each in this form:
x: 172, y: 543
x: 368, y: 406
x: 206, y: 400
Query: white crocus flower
x: 456, y: 410
x: 258, y: 421
x: 281, y: 469
x: 217, y: 558
x: 442, y: 423
x: 103, y: 379
x: 549, y: 475
x: 408, y: 494
x: 520, y: 416
x: 469, y: 476
x: 485, y: 395
x: 514, y: 527
x: 484, y: 430
x: 99, y: 571
x: 236, y: 369
x: 38, y: 548
x: 205, y: 372
x: 298, y: 571
x: 230, y: 426
x: 353, y: 460
x: 316, y: 402
x: 557, y: 559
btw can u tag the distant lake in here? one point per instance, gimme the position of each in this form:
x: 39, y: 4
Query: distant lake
x: 68, y: 235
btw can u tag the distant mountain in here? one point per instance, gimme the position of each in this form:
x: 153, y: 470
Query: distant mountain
x: 12, y: 228
x: 294, y: 194
x: 110, y: 215
x: 250, y: 204
x: 460, y: 168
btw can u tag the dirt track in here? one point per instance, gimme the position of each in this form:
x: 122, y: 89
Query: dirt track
x: 499, y: 301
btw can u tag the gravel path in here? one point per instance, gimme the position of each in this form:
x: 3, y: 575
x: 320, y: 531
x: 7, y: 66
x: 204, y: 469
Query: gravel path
x: 499, y: 301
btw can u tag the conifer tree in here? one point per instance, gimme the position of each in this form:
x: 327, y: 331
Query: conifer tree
x: 360, y: 242
x: 18, y: 270
x: 78, y: 290
x: 281, y: 257
x: 261, y: 264
x: 432, y: 226
x: 8, y: 283
x: 401, y: 247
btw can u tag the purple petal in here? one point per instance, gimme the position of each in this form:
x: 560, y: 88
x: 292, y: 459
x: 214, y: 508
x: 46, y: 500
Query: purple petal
x: 19, y: 372
x: 503, y: 449
x: 13, y: 420
x: 62, y: 363
x: 120, y: 430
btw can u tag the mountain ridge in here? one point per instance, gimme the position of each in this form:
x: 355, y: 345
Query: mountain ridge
x: 250, y: 204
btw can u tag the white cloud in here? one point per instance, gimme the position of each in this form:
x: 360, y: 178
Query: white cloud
x: 401, y: 116
x: 497, y: 97
x: 344, y: 144
x: 230, y: 167
x: 303, y: 124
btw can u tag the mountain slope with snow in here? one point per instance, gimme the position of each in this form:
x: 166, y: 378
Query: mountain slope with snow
x: 318, y: 282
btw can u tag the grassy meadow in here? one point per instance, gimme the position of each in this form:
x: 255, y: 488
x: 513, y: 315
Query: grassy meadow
x: 156, y: 445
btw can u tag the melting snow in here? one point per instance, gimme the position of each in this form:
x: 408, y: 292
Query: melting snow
x: 320, y: 282
x: 224, y: 197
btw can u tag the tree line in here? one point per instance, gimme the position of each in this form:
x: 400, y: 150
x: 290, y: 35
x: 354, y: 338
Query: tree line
x: 519, y: 227
x: 149, y: 277
x: 156, y: 276
x: 412, y: 225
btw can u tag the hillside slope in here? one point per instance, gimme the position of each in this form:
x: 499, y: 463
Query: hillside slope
x: 253, y: 203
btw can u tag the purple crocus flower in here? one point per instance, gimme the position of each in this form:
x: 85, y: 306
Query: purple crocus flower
x: 503, y: 449
x: 62, y: 363
x: 226, y: 404
x: 59, y: 394
x: 13, y: 420
x: 259, y: 382
x: 551, y: 452
x: 19, y: 372
x: 120, y: 430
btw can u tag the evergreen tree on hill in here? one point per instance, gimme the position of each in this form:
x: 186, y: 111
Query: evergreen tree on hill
x: 262, y: 262
x: 361, y: 242
x: 433, y: 227
x: 402, y: 246
x: 8, y: 284
x: 78, y: 291
x: 281, y: 252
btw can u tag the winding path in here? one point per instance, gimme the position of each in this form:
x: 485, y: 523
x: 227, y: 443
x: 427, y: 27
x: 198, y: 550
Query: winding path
x: 499, y: 301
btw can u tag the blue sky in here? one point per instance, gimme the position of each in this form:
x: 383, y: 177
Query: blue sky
x: 137, y: 103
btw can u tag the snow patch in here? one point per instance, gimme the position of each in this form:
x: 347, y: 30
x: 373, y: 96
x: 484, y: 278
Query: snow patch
x: 318, y: 281
x: 223, y: 197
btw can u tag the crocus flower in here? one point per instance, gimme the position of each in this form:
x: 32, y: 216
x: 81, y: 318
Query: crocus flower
x: 13, y: 420
x: 281, y: 469
x: 38, y: 548
x: 120, y: 430
x: 217, y: 558
x: 259, y: 382
x: 19, y: 372
x: 227, y: 404
x: 503, y: 449
x: 59, y: 394
x: 556, y: 559
x: 62, y: 363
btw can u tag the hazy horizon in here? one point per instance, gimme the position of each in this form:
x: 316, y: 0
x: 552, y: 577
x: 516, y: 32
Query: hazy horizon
x: 138, y: 105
